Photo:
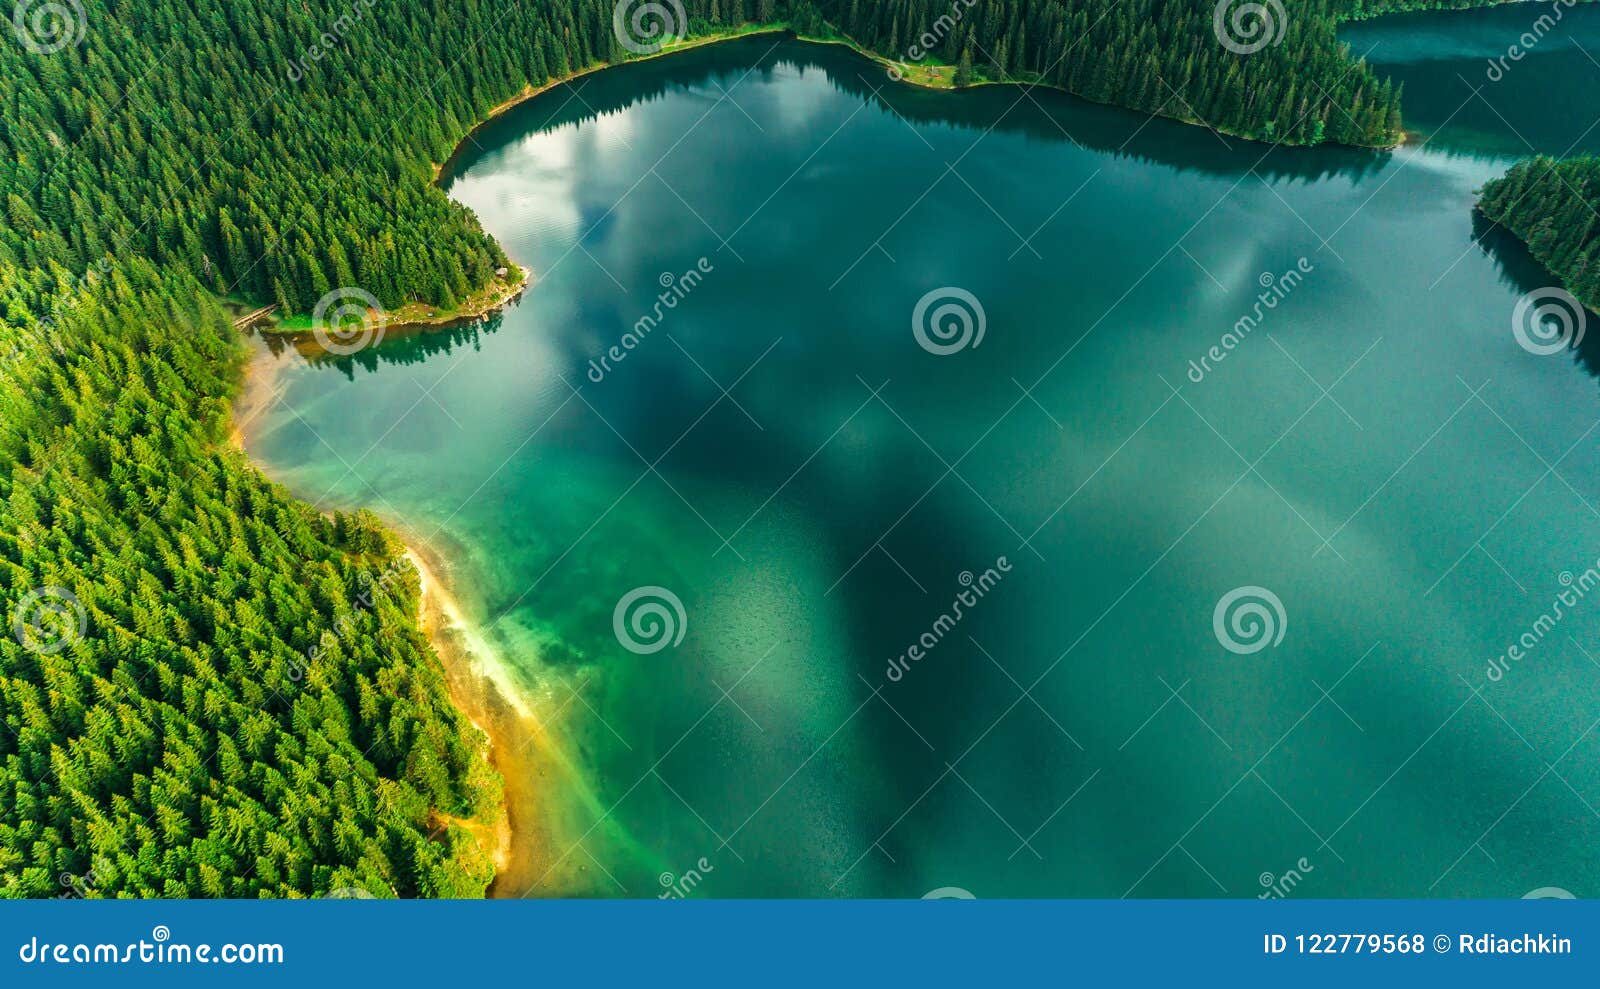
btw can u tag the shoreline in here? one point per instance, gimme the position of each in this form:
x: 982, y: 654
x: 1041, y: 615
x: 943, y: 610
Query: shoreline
x: 897, y: 73
x: 522, y: 728
x: 401, y: 321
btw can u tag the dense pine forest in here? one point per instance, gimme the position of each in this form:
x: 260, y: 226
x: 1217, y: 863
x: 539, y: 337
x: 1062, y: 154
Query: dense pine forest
x: 1550, y: 205
x: 212, y: 690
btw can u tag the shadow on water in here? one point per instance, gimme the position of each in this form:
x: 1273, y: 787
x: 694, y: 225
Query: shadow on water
x: 411, y: 345
x: 1506, y: 81
x: 1040, y: 113
x: 1524, y: 273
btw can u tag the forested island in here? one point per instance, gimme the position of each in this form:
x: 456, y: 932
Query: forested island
x: 214, y: 690
x: 1549, y: 204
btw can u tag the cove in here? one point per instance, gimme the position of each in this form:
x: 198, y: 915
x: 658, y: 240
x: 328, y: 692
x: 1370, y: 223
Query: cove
x: 815, y: 486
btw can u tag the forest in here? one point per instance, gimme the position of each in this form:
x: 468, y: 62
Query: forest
x: 1549, y: 204
x: 211, y: 689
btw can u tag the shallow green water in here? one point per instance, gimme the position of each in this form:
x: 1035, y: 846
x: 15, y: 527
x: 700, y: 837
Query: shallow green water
x: 1081, y: 730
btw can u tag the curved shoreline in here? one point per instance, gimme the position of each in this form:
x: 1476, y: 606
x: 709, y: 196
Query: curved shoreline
x: 524, y: 734
x: 897, y: 72
x: 518, y: 839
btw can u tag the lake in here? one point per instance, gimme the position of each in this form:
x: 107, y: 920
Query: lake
x: 1035, y: 498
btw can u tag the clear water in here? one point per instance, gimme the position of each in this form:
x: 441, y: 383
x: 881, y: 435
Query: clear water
x: 812, y: 484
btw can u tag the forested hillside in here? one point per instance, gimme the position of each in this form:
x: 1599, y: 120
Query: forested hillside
x: 196, y: 699
x: 1551, y: 205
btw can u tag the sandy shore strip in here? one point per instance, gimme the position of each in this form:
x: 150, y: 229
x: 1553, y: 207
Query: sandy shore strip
x: 525, y: 743
x: 520, y: 835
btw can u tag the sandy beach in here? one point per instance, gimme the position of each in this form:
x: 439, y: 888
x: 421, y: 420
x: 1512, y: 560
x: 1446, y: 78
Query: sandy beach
x: 519, y: 837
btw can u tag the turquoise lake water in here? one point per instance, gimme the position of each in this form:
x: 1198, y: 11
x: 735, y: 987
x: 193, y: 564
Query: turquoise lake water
x: 1410, y: 488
